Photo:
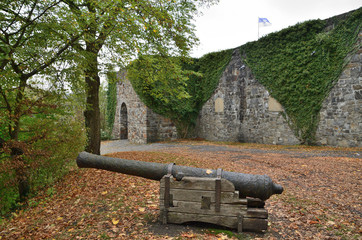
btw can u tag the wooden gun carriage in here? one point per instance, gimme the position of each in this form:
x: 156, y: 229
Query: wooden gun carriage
x: 187, y: 194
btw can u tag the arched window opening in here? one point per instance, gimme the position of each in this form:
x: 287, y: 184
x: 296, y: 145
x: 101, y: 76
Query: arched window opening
x: 124, y: 122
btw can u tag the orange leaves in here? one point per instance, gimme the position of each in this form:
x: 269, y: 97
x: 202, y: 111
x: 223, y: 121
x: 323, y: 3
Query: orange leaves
x: 320, y: 198
x: 313, y: 222
x: 188, y: 235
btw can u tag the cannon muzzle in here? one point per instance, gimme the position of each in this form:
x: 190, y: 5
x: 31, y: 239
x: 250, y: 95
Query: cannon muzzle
x: 248, y: 185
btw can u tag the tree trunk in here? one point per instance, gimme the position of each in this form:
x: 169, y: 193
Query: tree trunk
x: 92, y: 112
x: 22, y: 177
x: 17, y: 158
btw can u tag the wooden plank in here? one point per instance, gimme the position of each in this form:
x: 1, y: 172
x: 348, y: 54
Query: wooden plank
x: 205, y: 203
x: 255, y: 224
x: 255, y: 202
x: 249, y: 224
x: 163, y: 216
x: 250, y: 212
x: 256, y: 213
x: 179, y: 218
x: 195, y: 207
x: 217, y: 194
x: 199, y: 184
x: 196, y: 196
x: 240, y: 219
x: 166, y: 195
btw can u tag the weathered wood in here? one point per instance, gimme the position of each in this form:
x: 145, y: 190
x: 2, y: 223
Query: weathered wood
x: 163, y: 215
x: 248, y: 224
x: 255, y: 224
x: 196, y: 195
x: 240, y: 222
x: 210, y: 200
x: 205, y: 203
x: 166, y: 194
x: 196, y: 184
x: 255, y: 202
x: 217, y: 194
x: 195, y: 207
x: 256, y: 213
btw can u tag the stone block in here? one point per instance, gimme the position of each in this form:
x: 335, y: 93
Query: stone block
x: 274, y: 105
x: 323, y: 141
x: 358, y: 95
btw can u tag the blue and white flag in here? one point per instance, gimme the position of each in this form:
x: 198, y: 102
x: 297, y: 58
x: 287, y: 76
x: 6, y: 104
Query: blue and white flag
x: 264, y: 22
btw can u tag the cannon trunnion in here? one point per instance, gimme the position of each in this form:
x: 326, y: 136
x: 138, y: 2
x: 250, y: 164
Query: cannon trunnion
x: 229, y: 199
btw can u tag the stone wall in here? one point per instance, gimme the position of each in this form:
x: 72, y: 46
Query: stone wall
x: 341, y: 115
x: 245, y: 116
x: 219, y: 118
x: 262, y: 121
x: 143, y: 125
x: 136, y: 112
x: 242, y: 110
x: 159, y: 128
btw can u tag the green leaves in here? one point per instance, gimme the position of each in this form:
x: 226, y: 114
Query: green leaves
x: 299, y: 65
x: 161, y: 83
x: 177, y: 87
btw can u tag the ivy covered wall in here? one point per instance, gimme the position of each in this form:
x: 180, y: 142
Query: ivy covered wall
x: 296, y: 67
x: 299, y: 66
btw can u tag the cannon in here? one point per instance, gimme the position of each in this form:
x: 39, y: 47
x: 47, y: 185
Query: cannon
x: 188, y: 194
x: 248, y: 185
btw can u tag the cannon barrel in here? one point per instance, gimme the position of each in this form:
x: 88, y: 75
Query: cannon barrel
x: 248, y: 185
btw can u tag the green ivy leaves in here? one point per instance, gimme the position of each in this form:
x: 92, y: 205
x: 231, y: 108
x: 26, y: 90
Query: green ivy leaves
x: 177, y: 87
x: 300, y: 64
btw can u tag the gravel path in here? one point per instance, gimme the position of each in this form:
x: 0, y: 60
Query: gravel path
x: 125, y: 146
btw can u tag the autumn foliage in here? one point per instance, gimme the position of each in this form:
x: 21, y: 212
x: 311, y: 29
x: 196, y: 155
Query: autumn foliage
x: 322, y: 196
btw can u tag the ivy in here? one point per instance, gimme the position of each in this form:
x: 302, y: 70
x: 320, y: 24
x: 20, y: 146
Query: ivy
x: 211, y: 66
x: 177, y: 87
x: 111, y: 100
x: 300, y: 64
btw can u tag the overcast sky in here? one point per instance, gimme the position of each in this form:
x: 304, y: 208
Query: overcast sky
x: 232, y: 23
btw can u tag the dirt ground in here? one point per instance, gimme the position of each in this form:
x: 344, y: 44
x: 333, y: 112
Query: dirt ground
x: 321, y: 198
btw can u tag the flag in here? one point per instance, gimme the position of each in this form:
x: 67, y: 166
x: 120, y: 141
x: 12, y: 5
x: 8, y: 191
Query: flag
x: 264, y: 22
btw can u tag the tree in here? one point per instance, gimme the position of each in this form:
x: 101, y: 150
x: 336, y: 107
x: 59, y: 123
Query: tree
x: 31, y: 45
x: 179, y: 90
x: 126, y: 29
x: 166, y: 90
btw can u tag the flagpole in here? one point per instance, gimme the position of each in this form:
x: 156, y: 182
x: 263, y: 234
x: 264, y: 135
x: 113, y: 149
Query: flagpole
x: 258, y: 28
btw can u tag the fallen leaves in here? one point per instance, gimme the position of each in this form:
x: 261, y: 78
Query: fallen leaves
x: 322, y: 196
x: 188, y: 235
x: 115, y: 221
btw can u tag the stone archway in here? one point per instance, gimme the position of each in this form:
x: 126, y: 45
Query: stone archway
x: 124, y: 122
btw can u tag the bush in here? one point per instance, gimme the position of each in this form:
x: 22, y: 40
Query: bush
x: 59, y: 138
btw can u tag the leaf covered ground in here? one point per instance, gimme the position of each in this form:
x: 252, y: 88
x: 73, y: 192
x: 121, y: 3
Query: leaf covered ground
x: 321, y: 198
